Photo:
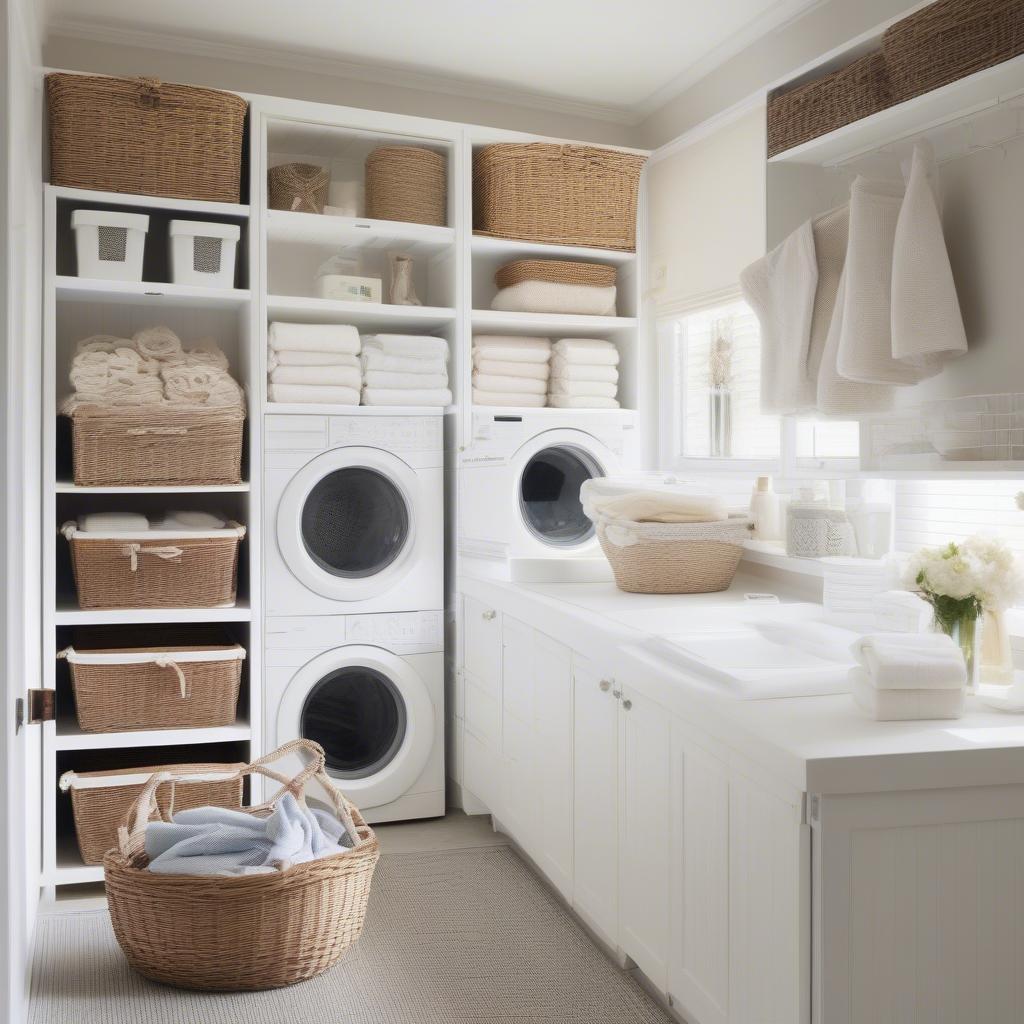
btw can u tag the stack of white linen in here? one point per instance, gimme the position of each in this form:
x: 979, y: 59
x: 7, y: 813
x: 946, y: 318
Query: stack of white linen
x: 584, y: 374
x: 903, y: 677
x: 405, y: 369
x: 510, y: 371
x: 314, y: 363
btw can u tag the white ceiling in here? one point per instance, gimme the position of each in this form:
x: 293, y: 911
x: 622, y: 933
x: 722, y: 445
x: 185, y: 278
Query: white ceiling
x: 622, y: 58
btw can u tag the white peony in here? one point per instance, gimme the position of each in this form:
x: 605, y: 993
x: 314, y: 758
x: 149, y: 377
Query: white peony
x: 982, y: 569
x: 999, y: 572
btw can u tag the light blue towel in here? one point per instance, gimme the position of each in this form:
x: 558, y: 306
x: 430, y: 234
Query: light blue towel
x: 219, y: 841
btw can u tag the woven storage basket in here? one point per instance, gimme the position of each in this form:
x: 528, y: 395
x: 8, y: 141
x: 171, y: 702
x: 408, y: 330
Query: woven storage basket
x: 101, y: 800
x: 155, y: 685
x: 816, y: 108
x: 300, y: 187
x: 595, y: 275
x: 146, y: 137
x: 673, y: 558
x: 949, y: 40
x: 155, y: 569
x: 242, y: 933
x: 407, y: 183
x: 569, y: 195
x: 142, y: 445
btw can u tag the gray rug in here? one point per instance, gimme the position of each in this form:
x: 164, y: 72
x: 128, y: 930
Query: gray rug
x: 466, y: 936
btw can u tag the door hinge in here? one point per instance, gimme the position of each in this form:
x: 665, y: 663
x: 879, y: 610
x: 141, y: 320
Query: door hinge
x: 41, y: 706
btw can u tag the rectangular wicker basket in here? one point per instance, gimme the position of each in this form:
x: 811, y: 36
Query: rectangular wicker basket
x: 142, y: 446
x: 101, y: 800
x: 145, y: 137
x: 155, y: 569
x: 568, y: 195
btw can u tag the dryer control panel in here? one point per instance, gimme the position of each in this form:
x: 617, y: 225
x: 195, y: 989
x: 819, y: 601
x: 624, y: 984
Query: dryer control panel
x: 397, y: 628
x: 393, y: 433
x: 385, y: 629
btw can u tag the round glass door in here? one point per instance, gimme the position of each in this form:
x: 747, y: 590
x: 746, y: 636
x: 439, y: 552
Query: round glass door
x: 549, y: 494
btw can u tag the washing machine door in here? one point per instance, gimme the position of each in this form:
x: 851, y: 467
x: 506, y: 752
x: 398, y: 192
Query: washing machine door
x: 346, y: 523
x: 371, y: 712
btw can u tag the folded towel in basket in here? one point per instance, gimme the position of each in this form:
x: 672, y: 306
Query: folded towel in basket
x: 314, y: 338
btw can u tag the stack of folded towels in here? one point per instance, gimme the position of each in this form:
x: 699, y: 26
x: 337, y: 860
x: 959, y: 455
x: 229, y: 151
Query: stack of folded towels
x: 903, y: 677
x: 584, y: 374
x: 314, y: 363
x: 510, y: 371
x: 405, y: 369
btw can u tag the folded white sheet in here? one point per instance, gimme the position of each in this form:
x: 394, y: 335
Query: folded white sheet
x: 419, y: 346
x: 904, y: 705
x: 290, y: 358
x: 500, y: 368
x: 112, y: 522
x: 511, y: 348
x: 655, y: 507
x: 581, y: 402
x: 286, y: 337
x: 561, y: 367
x: 509, y: 385
x: 378, y: 359
x: 911, y: 661
x: 591, y: 351
x: 412, y: 396
x: 508, y: 398
x: 549, y: 297
x: 346, y: 376
x: 394, y: 379
x: 325, y: 394
x: 561, y: 386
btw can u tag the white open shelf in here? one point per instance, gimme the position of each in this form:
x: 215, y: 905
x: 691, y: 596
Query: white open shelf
x: 155, y: 293
x: 69, y: 869
x: 70, y: 736
x: 316, y: 409
x: 562, y: 325
x: 364, y: 315
x: 417, y: 240
x: 69, y: 487
x: 85, y: 195
x: 513, y: 248
x: 68, y: 614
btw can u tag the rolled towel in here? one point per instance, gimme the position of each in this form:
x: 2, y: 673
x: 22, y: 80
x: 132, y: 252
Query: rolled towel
x: 113, y: 522
x: 594, y: 351
x: 911, y: 661
x: 582, y: 402
x: 325, y: 394
x: 499, y: 368
x: 507, y: 398
x: 200, y: 385
x: 102, y: 343
x: 582, y: 388
x: 404, y: 381
x: 432, y: 397
x: 378, y: 359
x: 509, y: 385
x: 583, y: 371
x: 207, y: 353
x: 160, y: 343
x: 345, y: 376
x: 904, y: 705
x: 290, y: 358
x: 512, y: 349
x: 285, y: 337
x: 550, y: 297
x: 419, y: 346
x: 121, y: 377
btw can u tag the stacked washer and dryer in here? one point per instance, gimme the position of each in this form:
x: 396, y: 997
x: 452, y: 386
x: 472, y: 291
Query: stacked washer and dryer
x: 354, y: 602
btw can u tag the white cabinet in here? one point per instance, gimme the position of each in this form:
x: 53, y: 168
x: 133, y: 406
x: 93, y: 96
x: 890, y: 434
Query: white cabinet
x: 481, y: 682
x: 481, y: 639
x: 515, y: 807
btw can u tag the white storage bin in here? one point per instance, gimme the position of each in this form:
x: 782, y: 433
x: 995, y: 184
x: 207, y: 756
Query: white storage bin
x: 203, y: 253
x: 109, y: 244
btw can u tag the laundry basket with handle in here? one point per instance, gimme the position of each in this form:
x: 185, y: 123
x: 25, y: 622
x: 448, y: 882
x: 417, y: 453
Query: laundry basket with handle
x: 246, y: 932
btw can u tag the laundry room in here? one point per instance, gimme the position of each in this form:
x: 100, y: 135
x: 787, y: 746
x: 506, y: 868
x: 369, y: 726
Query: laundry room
x: 512, y: 514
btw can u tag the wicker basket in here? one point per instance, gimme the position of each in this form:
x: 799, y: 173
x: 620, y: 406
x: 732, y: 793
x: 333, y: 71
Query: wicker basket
x: 155, y: 569
x: 155, y: 685
x: 949, y: 40
x: 244, y: 933
x: 569, y: 195
x: 101, y: 800
x: 407, y: 183
x: 144, y: 137
x: 143, y: 446
x: 299, y: 187
x: 816, y: 108
x: 595, y: 275
x: 673, y: 558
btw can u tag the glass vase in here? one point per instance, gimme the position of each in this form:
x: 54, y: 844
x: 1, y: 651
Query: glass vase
x: 965, y: 630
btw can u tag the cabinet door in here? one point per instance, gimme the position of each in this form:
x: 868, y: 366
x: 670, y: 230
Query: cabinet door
x: 482, y: 642
x: 595, y: 799
x: 516, y: 809
x: 644, y: 812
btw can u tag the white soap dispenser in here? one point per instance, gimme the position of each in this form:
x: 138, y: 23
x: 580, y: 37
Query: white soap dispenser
x: 764, y: 510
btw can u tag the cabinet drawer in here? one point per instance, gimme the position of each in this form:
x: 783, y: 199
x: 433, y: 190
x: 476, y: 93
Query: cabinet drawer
x: 482, y: 638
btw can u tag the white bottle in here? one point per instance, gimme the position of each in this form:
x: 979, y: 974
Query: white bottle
x: 764, y: 510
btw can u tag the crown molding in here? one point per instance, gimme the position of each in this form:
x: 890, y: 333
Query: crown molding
x: 706, y: 128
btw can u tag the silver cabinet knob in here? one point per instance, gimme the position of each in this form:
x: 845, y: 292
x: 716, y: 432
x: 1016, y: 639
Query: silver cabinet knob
x: 489, y: 615
x: 605, y: 685
x: 627, y: 704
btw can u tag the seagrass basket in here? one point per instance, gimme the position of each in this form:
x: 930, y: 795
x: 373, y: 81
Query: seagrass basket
x: 299, y: 187
x: 595, y: 275
x: 249, y: 932
x: 407, y: 183
x: 144, y: 136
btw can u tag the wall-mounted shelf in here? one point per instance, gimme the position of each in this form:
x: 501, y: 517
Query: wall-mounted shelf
x: 367, y: 316
x: 315, y: 409
x: 511, y: 248
x: 70, y: 615
x: 155, y: 293
x: 98, y: 198
x: 550, y: 324
x: 419, y: 240
x: 71, y: 737
x: 68, y: 487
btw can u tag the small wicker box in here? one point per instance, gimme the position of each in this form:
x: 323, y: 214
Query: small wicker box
x: 298, y: 187
x: 594, y: 275
x: 101, y: 800
x: 407, y: 183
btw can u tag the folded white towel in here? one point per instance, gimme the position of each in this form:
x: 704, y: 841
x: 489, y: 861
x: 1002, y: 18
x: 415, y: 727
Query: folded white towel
x: 325, y: 394
x: 290, y: 358
x: 432, y: 397
x: 590, y: 351
x: 904, y: 705
x: 419, y: 346
x: 561, y: 367
x: 549, y: 297
x: 655, y: 507
x: 509, y: 385
x: 346, y: 376
x: 112, y: 522
x: 508, y: 398
x: 392, y: 379
x: 511, y: 349
x: 500, y: 368
x: 582, y: 402
x: 911, y: 661
x: 560, y: 386
x: 285, y: 337
x: 377, y: 359
x: 927, y: 326
x: 900, y: 611
x: 188, y: 519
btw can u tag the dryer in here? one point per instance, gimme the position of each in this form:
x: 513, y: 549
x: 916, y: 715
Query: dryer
x: 370, y: 690
x: 355, y: 514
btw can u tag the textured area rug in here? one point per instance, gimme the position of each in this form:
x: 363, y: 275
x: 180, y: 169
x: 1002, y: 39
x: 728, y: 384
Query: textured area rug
x: 464, y: 937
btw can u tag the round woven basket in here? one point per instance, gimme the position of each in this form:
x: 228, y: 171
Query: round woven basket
x: 298, y: 187
x: 556, y: 272
x: 245, y: 933
x: 406, y: 183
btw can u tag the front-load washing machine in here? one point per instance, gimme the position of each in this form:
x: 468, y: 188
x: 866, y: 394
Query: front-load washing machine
x: 355, y: 510
x: 370, y: 690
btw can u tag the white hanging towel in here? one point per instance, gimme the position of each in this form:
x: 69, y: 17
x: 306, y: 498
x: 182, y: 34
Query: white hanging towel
x: 591, y: 351
x: 509, y: 385
x: 419, y: 346
x: 927, y: 326
x: 511, y: 349
x: 326, y: 394
x: 314, y: 338
x: 508, y: 398
x: 393, y: 396
x: 780, y: 288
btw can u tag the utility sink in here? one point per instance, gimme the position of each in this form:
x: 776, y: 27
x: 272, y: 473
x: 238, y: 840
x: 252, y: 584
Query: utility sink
x: 555, y: 569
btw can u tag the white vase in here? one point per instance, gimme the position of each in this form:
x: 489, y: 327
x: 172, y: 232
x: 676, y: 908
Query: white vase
x: 996, y: 655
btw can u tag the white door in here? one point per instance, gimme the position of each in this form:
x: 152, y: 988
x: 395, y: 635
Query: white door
x: 516, y: 807
x: 481, y: 756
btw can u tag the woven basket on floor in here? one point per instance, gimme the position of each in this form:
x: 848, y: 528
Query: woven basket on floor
x: 595, y: 275
x: 155, y: 569
x: 299, y: 187
x: 101, y: 800
x: 407, y: 183
x: 141, y: 446
x: 145, y: 137
x: 673, y: 558
x: 569, y: 195
x: 242, y: 933
x: 816, y: 108
x: 949, y: 40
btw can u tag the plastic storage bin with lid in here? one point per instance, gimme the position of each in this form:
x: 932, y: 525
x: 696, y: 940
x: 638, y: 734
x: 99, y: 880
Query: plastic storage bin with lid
x: 203, y: 253
x: 109, y: 244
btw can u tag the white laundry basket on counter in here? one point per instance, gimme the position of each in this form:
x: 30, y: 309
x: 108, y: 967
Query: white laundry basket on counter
x: 109, y: 245
x: 203, y: 253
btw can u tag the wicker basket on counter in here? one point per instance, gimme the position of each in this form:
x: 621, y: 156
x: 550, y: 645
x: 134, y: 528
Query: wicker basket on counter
x: 594, y: 275
x: 299, y: 187
x: 407, y: 183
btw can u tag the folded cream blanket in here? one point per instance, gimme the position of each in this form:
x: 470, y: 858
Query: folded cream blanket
x: 325, y: 394
x: 511, y: 349
x: 561, y: 367
x: 346, y: 376
x: 290, y: 358
x: 420, y: 346
x: 911, y: 661
x: 508, y: 398
x: 581, y: 402
x: 509, y: 385
x: 591, y: 351
x: 561, y: 386
x: 378, y: 359
x: 656, y: 506
x: 393, y: 379
x: 500, y: 368
x: 549, y: 297
x: 904, y: 705
x: 285, y: 337
x: 395, y: 396
x: 186, y: 384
